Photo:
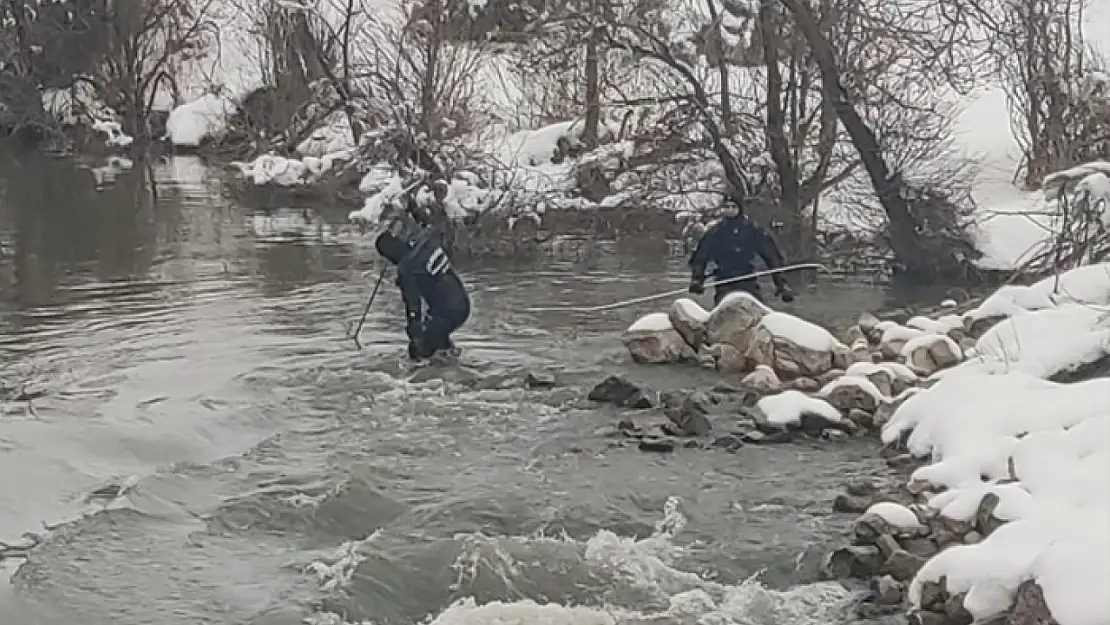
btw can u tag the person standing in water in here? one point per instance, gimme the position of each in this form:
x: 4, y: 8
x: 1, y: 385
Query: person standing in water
x: 426, y: 277
x: 732, y: 245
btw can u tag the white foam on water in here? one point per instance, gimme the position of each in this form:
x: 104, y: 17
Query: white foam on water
x: 648, y: 565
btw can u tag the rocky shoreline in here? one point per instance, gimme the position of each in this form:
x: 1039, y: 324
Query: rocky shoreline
x: 785, y: 379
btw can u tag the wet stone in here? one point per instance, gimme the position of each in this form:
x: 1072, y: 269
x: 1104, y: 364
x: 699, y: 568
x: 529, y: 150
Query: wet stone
x: 619, y: 391
x: 861, y: 488
x: 888, y: 591
x: 922, y: 617
x: 902, y: 461
x: 1030, y: 607
x: 661, y: 444
x: 861, y: 418
x: 755, y: 437
x: 956, y: 612
x: 687, y: 413
x: 857, y: 561
x: 539, y: 379
x: 629, y: 429
x: 903, y: 565
x: 923, y: 547
x: 869, y: 527
x: 887, y: 545
x: 933, y: 595
x: 730, y: 442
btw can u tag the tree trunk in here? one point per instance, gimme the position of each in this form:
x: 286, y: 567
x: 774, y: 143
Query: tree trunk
x: 778, y: 145
x: 911, y: 252
x: 593, y: 91
x: 727, y: 124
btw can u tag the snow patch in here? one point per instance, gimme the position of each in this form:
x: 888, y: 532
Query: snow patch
x: 206, y: 118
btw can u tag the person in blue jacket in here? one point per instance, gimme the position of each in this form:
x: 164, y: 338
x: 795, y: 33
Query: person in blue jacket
x: 732, y: 244
x: 426, y: 277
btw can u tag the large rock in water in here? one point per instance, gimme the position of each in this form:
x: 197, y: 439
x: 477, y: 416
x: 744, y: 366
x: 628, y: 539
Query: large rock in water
x: 793, y: 347
x: 689, y: 320
x: 734, y: 320
x: 653, y: 340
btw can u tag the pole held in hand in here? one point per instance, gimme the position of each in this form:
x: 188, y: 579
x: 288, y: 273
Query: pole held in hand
x: 651, y: 298
x: 366, y: 311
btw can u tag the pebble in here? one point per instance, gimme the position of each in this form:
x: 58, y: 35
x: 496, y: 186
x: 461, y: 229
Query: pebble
x: 539, y: 379
x: 657, y: 444
x: 855, y: 504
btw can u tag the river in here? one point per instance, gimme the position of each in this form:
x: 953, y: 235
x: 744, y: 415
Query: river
x: 213, y: 448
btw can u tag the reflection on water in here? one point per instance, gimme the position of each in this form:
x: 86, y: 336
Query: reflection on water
x: 192, y: 353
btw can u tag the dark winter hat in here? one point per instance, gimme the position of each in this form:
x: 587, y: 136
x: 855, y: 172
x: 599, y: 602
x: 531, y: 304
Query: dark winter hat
x: 391, y: 247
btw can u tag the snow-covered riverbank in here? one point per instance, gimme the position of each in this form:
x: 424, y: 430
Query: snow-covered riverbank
x: 1021, y: 460
x: 1007, y: 504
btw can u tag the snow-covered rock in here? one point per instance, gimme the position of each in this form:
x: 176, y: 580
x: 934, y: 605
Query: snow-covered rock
x: 653, y: 340
x: 861, y: 351
x: 793, y: 347
x: 930, y: 353
x: 689, y: 319
x: 794, y: 409
x: 270, y: 169
x: 880, y: 376
x: 733, y: 321
x: 894, y: 338
x: 852, y: 393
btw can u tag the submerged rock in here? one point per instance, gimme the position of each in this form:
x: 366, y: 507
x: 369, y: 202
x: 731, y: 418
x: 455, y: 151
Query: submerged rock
x: 620, y: 392
x: 662, y: 444
x: 653, y: 340
x: 845, y: 502
x: 687, y: 412
x: 539, y: 379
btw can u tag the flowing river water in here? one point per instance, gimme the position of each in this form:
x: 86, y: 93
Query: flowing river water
x: 208, y: 446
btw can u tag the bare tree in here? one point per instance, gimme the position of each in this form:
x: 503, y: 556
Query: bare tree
x: 1058, y: 95
x: 924, y: 227
x: 44, y: 45
x: 147, y: 42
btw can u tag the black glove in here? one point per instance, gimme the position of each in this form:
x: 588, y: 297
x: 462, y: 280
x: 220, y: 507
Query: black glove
x: 786, y: 294
x: 697, y: 286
